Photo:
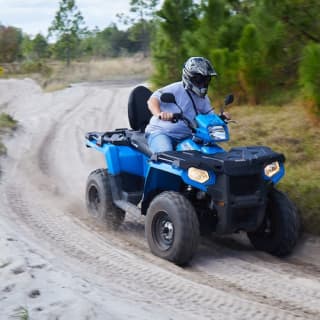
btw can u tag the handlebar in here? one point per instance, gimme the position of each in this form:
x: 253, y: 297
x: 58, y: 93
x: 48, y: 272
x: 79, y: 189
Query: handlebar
x: 179, y: 116
x: 175, y: 117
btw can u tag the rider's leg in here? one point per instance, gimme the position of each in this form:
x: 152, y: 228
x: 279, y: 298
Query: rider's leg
x: 159, y: 142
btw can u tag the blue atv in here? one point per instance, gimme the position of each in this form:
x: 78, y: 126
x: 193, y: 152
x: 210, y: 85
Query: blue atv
x: 199, y: 188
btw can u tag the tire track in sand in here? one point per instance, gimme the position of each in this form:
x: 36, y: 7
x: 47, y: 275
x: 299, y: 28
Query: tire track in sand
x: 127, y: 271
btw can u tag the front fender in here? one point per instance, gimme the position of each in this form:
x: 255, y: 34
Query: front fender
x: 164, y: 177
x: 158, y: 180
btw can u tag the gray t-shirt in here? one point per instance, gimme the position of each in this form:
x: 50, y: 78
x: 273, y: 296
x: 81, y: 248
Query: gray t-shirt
x: 178, y: 130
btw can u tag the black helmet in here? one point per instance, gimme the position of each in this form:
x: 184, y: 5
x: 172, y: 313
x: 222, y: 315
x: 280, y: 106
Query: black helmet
x: 196, y: 75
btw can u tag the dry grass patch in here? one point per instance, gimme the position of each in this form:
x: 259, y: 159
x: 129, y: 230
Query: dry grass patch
x: 96, y: 70
x: 55, y: 75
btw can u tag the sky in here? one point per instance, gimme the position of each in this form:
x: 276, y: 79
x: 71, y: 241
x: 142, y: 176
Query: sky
x: 35, y: 16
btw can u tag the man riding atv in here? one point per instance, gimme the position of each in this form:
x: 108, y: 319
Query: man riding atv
x: 162, y: 133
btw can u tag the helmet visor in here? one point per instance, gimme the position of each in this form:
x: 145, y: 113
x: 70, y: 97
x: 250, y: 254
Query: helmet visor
x: 200, y: 81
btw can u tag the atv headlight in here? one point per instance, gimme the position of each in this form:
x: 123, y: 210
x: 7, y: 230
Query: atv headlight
x: 217, y: 133
x: 271, y: 169
x: 198, y: 175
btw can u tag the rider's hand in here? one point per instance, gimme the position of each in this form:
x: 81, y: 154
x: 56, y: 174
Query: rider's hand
x: 166, y: 116
x: 225, y: 116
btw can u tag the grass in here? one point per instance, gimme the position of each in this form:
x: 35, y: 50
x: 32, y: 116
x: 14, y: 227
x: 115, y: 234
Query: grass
x: 288, y: 130
x: 55, y: 75
x: 7, y: 124
x: 97, y: 70
x: 22, y: 313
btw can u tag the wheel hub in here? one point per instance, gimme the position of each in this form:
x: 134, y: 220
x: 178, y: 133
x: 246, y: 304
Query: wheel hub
x: 163, y: 230
x: 167, y: 231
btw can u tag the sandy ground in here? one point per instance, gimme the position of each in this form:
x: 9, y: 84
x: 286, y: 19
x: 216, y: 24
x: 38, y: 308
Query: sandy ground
x: 57, y: 263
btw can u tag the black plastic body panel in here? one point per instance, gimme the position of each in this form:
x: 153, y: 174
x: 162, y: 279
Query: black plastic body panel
x: 238, y: 161
x: 127, y: 187
x: 122, y: 137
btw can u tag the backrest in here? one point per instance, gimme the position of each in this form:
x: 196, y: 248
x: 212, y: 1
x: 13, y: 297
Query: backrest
x: 138, y: 112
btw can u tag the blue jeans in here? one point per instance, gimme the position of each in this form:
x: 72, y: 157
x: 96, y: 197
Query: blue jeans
x: 160, y: 142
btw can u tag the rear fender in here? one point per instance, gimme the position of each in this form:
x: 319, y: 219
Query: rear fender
x: 121, y: 158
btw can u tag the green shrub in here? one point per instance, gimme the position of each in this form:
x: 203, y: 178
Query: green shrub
x: 226, y: 64
x: 7, y: 122
x: 253, y: 71
x: 309, y: 75
x: 32, y: 66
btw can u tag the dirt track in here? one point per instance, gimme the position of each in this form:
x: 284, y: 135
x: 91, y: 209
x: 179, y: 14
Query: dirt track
x: 42, y: 202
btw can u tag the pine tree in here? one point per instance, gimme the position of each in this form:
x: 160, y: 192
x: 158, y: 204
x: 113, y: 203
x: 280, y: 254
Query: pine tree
x: 252, y: 66
x: 68, y: 28
x: 40, y: 46
x: 169, y: 52
x: 309, y: 75
x: 143, y: 28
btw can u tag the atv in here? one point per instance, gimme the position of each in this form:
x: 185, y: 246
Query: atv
x: 196, y: 189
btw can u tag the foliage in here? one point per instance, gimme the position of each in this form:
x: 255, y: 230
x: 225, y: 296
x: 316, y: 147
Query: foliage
x: 226, y: 64
x: 204, y: 37
x: 142, y: 21
x: 35, y: 49
x: 10, y: 43
x: 68, y: 29
x: 35, y: 66
x: 110, y: 42
x: 251, y: 60
x: 301, y: 17
x: 256, y: 45
x: 40, y: 46
x: 7, y: 123
x: 309, y: 75
x: 168, y: 50
x: 22, y: 313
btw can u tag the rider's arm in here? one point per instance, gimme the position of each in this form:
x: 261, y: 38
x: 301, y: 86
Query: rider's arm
x: 154, y: 107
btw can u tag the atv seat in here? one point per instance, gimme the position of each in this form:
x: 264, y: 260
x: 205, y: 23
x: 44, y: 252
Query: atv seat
x: 138, y: 112
x: 139, y: 116
x: 139, y: 141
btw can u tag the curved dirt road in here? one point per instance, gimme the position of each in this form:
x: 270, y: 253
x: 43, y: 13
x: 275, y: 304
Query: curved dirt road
x: 85, y: 271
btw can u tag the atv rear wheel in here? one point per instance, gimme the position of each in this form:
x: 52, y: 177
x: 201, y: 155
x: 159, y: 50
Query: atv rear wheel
x: 279, y: 231
x: 172, y: 227
x: 99, y: 199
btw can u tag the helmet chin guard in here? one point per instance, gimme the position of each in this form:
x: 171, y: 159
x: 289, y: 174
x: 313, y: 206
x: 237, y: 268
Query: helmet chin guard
x: 201, y: 92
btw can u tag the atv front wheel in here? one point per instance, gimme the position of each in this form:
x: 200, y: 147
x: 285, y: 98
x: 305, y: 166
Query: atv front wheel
x: 279, y: 231
x: 99, y: 199
x: 172, y: 227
